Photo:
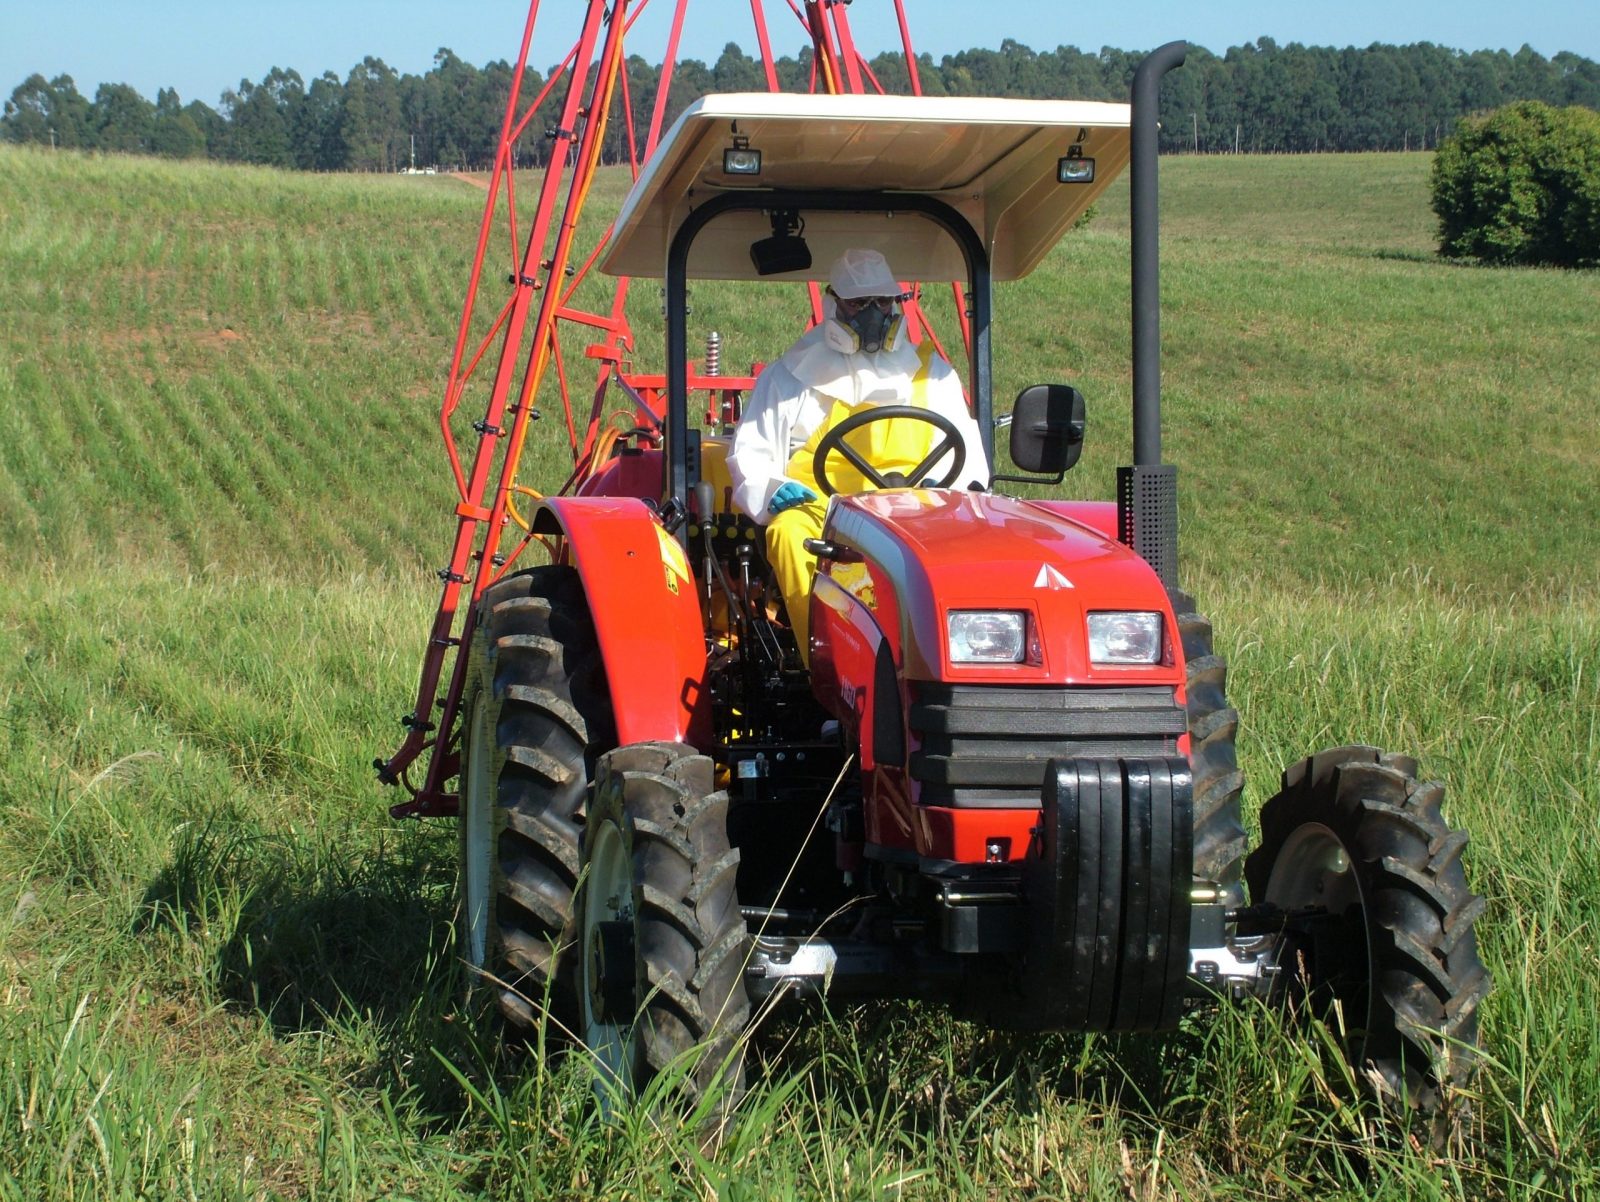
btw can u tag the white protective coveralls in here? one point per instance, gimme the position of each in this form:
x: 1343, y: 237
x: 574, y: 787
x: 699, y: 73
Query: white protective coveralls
x: 814, y: 387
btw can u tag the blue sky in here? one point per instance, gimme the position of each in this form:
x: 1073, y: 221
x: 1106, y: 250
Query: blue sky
x: 203, y: 46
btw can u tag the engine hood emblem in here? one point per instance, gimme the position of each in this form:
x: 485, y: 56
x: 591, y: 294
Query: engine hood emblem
x: 1051, y: 578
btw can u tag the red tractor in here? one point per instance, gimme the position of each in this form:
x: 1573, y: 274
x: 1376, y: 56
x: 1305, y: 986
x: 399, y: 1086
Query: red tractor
x: 1006, y: 777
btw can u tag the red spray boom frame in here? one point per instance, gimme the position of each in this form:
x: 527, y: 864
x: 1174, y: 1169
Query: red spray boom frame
x: 529, y: 326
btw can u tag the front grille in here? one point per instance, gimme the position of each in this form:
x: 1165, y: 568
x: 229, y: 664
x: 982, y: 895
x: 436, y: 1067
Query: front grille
x: 986, y: 746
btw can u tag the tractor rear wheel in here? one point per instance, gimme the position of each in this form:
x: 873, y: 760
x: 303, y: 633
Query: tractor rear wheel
x: 1219, y: 840
x: 535, y: 715
x: 1388, y: 955
x: 662, y: 939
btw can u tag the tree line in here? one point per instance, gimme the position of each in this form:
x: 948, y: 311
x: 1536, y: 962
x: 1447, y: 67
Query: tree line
x: 1260, y: 97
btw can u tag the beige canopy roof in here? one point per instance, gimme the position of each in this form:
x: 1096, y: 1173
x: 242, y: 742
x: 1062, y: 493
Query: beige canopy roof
x: 993, y: 160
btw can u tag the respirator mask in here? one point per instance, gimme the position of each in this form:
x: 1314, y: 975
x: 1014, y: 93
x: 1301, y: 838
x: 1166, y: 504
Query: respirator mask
x: 868, y: 325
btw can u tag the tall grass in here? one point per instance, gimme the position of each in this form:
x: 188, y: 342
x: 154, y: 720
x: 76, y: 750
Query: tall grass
x: 225, y: 973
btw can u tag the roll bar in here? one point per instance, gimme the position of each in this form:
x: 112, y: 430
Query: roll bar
x: 677, y: 484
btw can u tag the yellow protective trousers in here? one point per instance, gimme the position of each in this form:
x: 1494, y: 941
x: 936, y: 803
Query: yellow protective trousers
x: 890, y: 446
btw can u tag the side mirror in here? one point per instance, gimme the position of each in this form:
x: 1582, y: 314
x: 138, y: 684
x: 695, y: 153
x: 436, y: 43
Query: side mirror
x: 1047, y: 425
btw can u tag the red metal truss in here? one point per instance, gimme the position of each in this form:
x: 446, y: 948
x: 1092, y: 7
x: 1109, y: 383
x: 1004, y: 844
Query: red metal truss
x: 538, y: 317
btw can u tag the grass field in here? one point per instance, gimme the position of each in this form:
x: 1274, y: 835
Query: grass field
x: 224, y: 972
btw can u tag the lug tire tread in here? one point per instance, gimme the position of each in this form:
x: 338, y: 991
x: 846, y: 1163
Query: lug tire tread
x: 536, y: 662
x: 1424, y: 975
x: 1219, y: 838
x: 691, y: 937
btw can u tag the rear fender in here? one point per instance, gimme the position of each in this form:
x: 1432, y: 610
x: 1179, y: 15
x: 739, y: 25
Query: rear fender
x: 646, y: 614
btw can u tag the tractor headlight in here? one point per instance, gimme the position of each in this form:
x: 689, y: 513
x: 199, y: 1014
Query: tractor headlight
x: 986, y: 636
x: 1124, y: 638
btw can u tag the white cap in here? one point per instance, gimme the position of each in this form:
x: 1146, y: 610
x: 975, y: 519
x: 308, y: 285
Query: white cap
x: 858, y: 273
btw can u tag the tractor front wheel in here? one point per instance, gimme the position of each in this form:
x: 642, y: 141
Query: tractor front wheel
x: 662, y: 941
x: 535, y: 712
x: 1380, y: 940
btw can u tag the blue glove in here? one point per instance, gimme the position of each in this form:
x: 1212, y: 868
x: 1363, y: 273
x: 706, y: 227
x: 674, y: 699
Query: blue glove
x: 789, y: 494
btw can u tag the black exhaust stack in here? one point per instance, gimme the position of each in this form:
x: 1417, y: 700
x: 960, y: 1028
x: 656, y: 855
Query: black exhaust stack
x: 1147, y: 492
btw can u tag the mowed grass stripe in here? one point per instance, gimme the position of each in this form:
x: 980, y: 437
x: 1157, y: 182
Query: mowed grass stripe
x: 1445, y: 386
x: 349, y: 470
x: 178, y: 494
x: 95, y: 461
x: 22, y: 467
x: 208, y: 411
x: 273, y: 515
x: 201, y: 428
x: 138, y: 471
x: 295, y: 455
x: 43, y: 452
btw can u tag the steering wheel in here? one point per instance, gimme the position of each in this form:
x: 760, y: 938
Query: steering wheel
x: 834, y: 440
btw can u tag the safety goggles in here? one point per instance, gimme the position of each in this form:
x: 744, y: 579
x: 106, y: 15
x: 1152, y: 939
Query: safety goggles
x: 850, y: 307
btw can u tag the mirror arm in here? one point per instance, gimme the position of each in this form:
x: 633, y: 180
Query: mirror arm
x: 1055, y: 479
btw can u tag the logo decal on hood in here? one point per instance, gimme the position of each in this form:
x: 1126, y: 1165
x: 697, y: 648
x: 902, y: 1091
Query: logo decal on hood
x: 1051, y: 579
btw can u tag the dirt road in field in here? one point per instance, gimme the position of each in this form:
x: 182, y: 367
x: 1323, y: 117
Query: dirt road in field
x: 470, y: 179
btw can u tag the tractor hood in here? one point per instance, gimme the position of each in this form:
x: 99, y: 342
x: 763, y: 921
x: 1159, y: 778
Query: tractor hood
x: 930, y: 551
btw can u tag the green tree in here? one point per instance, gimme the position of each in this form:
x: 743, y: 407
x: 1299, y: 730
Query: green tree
x: 314, y: 126
x: 455, y: 98
x: 1580, y: 79
x: 212, y: 125
x: 736, y: 71
x: 1483, y: 81
x: 1372, y: 90
x: 690, y: 81
x: 261, y: 117
x: 1521, y: 185
x: 486, y: 109
x: 123, y: 120
x: 371, y: 126
x: 1314, y: 99
x: 794, y: 74
x: 173, y: 133
x: 1273, y: 98
x: 643, y: 83
x: 890, y: 72
x: 51, y: 113
x: 28, y: 112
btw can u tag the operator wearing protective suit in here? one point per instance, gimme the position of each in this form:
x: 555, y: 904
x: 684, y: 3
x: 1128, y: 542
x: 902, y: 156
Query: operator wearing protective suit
x: 857, y: 358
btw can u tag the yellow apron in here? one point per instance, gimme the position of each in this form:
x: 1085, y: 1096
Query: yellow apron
x: 890, y: 446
